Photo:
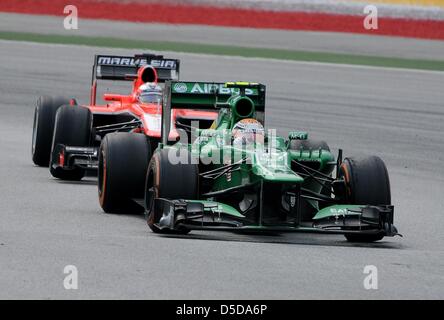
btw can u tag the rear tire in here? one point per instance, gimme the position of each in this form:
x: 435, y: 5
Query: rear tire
x: 43, y: 128
x: 367, y: 183
x: 73, y: 127
x: 169, y: 181
x: 123, y: 163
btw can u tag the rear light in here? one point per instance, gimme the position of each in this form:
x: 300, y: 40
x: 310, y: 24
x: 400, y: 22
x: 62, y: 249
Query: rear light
x: 62, y: 158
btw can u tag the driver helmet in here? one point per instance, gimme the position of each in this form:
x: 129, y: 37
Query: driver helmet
x: 247, y: 131
x: 150, y: 93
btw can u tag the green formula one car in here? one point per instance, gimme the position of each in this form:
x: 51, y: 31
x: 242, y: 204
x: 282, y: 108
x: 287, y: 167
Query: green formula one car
x: 237, y: 176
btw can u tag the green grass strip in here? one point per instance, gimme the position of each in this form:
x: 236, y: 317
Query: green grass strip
x: 227, y: 50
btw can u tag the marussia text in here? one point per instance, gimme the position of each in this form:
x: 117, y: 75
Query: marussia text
x: 223, y: 309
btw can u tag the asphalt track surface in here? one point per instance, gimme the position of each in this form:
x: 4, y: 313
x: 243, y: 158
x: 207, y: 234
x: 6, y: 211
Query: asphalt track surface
x: 47, y: 224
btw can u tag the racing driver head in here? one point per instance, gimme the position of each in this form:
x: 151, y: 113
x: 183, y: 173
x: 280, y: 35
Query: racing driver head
x: 150, y: 93
x: 248, y: 131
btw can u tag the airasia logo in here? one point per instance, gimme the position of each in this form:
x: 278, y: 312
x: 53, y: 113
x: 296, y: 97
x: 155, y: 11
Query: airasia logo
x: 180, y: 87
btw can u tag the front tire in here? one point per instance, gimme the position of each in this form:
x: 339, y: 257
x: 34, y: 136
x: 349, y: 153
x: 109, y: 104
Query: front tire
x: 43, y: 128
x: 169, y: 181
x: 367, y: 183
x: 73, y: 127
x: 123, y: 163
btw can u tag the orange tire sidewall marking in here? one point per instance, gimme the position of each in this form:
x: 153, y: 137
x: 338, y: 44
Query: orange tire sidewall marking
x: 347, y: 178
x: 156, y: 180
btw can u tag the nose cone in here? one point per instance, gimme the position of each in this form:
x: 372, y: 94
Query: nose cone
x: 273, y: 167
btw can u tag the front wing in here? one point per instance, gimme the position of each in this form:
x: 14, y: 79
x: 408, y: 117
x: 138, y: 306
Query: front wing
x: 209, y: 215
x: 69, y: 158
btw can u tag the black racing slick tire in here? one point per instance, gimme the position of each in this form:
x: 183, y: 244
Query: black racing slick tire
x: 367, y: 182
x: 43, y: 128
x: 170, y: 181
x: 73, y: 127
x: 123, y: 163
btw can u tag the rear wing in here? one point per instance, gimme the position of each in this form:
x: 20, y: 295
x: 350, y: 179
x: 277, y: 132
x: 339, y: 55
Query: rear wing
x: 107, y: 67
x: 205, y: 96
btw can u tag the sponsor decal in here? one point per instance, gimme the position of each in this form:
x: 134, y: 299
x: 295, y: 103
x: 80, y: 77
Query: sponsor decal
x: 202, y: 139
x: 208, y: 88
x: 135, y: 62
x: 166, y: 64
x: 153, y: 121
x: 220, y: 141
x: 227, y: 162
x: 338, y: 212
x: 180, y: 87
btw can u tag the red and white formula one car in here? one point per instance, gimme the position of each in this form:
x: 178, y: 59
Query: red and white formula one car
x: 67, y: 136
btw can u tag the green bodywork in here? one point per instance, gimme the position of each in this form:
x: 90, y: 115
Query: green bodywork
x: 264, y: 177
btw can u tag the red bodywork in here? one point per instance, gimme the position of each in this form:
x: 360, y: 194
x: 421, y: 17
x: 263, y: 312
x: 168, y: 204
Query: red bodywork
x: 148, y: 114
